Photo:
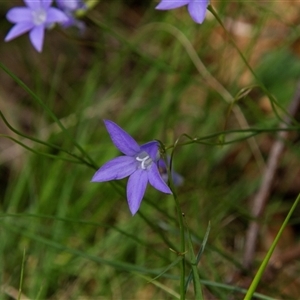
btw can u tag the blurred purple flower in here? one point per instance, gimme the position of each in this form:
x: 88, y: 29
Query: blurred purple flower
x: 69, y: 7
x: 162, y: 167
x: 35, y: 18
x: 196, y: 8
x: 139, y: 163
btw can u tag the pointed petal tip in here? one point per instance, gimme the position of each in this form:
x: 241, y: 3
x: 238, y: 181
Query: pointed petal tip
x: 197, y: 10
x: 133, y: 211
x: 156, y: 180
x: 108, y: 121
x: 168, y: 191
x: 121, y: 139
x: 94, y: 178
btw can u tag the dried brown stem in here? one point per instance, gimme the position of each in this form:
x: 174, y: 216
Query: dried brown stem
x: 262, y: 196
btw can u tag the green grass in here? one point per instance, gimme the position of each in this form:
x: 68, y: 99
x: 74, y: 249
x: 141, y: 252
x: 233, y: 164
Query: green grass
x: 64, y: 237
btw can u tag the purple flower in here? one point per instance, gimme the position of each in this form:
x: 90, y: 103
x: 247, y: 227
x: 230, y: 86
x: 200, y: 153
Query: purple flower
x: 162, y: 167
x: 196, y: 8
x: 34, y: 18
x: 69, y: 7
x: 139, y: 163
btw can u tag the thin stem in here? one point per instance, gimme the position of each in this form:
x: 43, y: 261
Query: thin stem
x: 252, y: 131
x: 50, y: 113
x: 182, y: 239
x: 180, y: 215
x: 271, y: 97
x: 22, y: 275
x: 212, y: 82
x: 43, y: 153
x: 265, y: 262
x: 194, y: 265
x: 50, y: 145
x: 182, y: 248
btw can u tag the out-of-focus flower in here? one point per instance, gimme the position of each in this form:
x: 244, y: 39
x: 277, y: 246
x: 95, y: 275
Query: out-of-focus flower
x: 162, y: 167
x: 35, y: 18
x: 69, y: 7
x: 139, y: 163
x: 196, y: 8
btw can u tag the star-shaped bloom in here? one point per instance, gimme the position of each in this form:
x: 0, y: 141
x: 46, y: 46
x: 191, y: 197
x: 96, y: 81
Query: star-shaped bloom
x: 162, y: 167
x: 139, y: 163
x: 69, y: 7
x: 196, y: 8
x: 35, y: 18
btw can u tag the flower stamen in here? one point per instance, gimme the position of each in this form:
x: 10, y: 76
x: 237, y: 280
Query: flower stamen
x: 145, y: 159
x: 39, y: 17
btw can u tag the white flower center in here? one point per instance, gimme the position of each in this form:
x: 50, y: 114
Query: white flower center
x: 145, y: 159
x: 39, y: 16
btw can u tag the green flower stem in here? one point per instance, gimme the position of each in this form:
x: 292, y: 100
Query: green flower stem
x: 251, y: 131
x: 194, y: 263
x: 182, y: 249
x: 43, y: 153
x: 50, y: 145
x: 264, y: 264
x: 21, y: 276
x: 182, y: 241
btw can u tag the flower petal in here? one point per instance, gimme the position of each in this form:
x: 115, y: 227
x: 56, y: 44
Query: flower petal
x: 136, y: 187
x: 122, y: 140
x: 162, y: 167
x: 156, y: 181
x: 197, y: 10
x: 117, y: 168
x: 33, y: 4
x: 170, y: 4
x: 36, y: 36
x: 67, y: 5
x: 177, y: 179
x: 55, y: 15
x: 152, y: 149
x: 18, y: 30
x: 19, y: 14
x: 70, y: 5
x: 46, y: 3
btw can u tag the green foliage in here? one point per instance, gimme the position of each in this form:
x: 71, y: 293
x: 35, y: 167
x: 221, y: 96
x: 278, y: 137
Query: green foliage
x: 159, y: 76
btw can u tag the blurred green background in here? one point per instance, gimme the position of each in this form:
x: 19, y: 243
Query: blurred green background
x: 148, y: 71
